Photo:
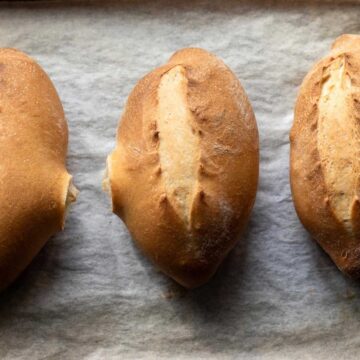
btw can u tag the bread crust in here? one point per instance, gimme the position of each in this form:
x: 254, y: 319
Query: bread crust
x: 227, y: 171
x: 323, y: 157
x: 34, y: 184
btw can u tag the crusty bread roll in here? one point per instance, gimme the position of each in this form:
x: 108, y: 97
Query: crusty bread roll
x: 35, y: 186
x: 325, y: 153
x: 184, y: 174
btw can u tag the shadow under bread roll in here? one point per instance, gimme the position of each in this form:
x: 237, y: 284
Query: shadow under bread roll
x: 35, y: 188
x: 325, y: 154
x: 184, y: 174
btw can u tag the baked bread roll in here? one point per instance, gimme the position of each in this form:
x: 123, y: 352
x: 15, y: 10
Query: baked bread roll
x: 35, y: 186
x: 325, y: 153
x: 184, y: 173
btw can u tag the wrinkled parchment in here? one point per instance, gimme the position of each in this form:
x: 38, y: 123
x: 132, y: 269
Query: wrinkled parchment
x: 90, y: 293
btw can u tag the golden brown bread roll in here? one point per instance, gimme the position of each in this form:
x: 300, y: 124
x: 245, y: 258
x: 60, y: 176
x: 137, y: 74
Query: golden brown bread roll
x: 35, y: 186
x: 184, y: 174
x: 325, y: 153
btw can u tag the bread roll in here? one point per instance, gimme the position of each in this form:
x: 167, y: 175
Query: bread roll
x: 35, y: 186
x: 184, y: 174
x: 325, y: 153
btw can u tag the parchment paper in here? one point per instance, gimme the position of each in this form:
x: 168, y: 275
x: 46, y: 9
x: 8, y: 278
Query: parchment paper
x: 90, y: 294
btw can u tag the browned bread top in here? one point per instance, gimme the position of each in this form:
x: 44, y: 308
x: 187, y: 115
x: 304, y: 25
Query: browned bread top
x: 184, y: 173
x: 34, y: 184
x: 325, y: 149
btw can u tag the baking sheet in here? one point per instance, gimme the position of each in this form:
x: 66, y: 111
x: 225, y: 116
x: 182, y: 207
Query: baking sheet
x: 90, y: 293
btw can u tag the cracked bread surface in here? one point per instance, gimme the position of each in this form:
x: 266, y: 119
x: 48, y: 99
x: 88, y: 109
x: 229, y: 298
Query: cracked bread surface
x: 178, y: 159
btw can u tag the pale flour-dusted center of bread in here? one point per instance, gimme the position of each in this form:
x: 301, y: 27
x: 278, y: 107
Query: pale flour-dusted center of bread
x: 338, y: 140
x: 179, y: 147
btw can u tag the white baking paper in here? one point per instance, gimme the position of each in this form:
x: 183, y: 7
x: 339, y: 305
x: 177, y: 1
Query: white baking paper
x: 90, y: 294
